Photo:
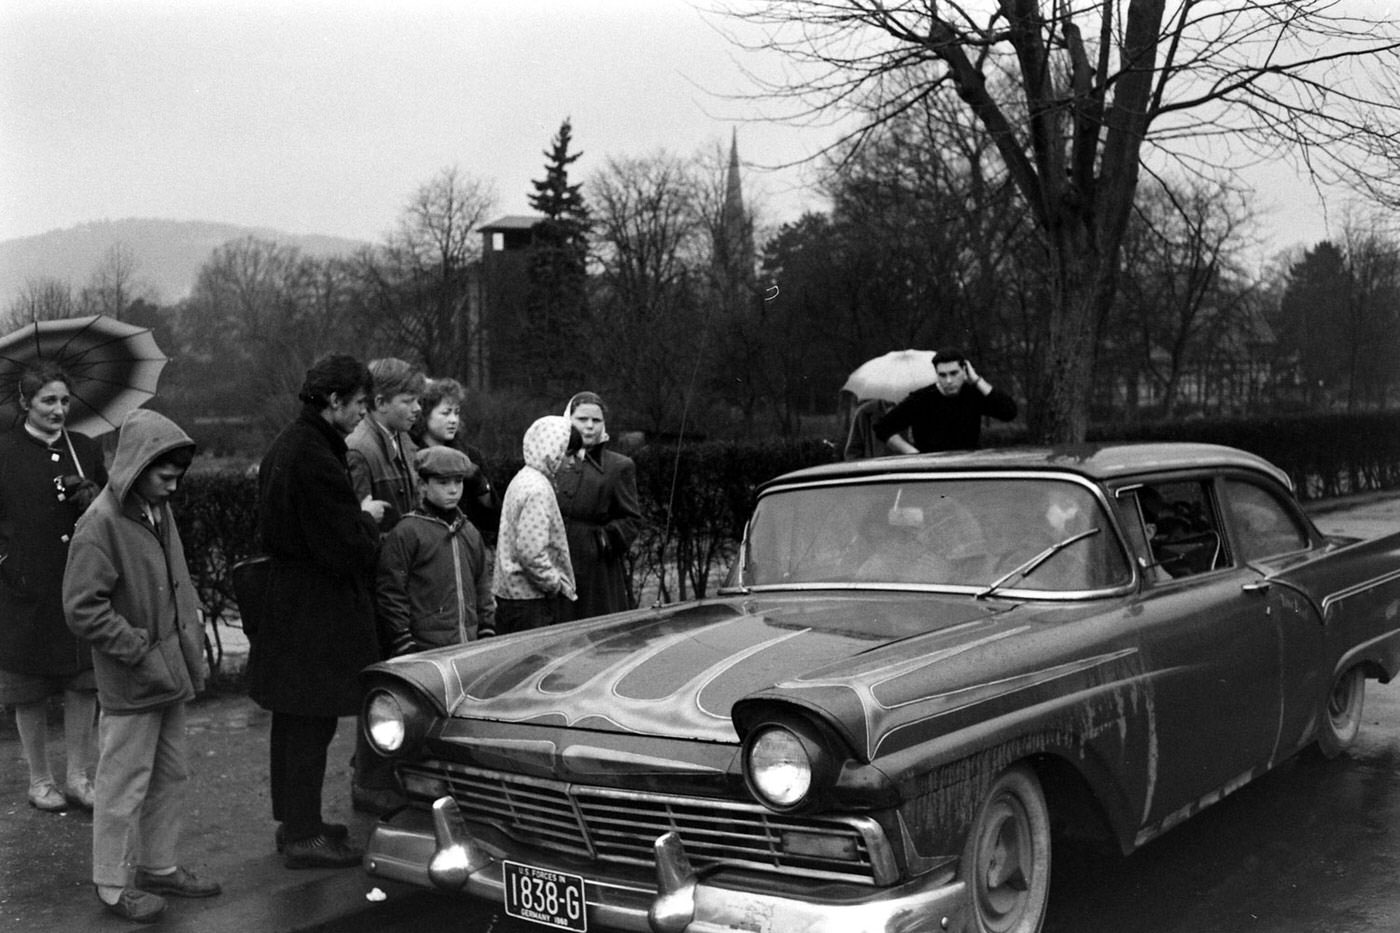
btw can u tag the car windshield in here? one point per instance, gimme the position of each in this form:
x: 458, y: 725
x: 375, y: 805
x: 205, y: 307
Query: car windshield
x: 942, y: 532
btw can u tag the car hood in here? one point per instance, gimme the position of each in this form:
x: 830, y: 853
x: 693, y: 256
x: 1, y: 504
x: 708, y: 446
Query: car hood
x: 678, y: 672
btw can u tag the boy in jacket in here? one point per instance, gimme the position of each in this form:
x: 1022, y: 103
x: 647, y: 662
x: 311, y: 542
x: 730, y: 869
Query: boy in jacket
x: 434, y: 584
x: 127, y: 591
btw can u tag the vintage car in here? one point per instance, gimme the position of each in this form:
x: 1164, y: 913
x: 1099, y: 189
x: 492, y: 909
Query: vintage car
x: 917, y: 667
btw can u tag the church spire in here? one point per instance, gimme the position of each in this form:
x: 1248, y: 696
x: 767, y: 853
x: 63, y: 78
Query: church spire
x: 733, y: 192
x: 734, y: 251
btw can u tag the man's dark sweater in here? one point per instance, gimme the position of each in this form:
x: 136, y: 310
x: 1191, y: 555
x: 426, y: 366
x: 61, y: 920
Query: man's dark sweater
x: 945, y: 422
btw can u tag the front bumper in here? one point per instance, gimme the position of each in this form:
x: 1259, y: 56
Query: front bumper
x: 438, y: 851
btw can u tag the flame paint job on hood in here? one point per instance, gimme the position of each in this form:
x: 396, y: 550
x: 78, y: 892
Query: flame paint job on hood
x: 677, y: 672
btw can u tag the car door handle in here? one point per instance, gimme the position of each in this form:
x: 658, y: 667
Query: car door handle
x: 1258, y: 586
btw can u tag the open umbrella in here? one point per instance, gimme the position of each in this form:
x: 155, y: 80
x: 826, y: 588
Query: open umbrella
x: 114, y: 366
x: 892, y: 376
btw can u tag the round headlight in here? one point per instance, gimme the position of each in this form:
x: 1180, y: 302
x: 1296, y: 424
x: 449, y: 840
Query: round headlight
x: 385, y: 722
x: 779, y: 767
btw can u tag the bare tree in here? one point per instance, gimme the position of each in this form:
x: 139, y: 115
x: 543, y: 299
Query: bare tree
x: 259, y: 315
x: 416, y: 286
x: 42, y: 299
x: 1076, y: 93
x: 1183, y: 291
x: 653, y: 251
x: 114, y: 285
x: 1372, y: 312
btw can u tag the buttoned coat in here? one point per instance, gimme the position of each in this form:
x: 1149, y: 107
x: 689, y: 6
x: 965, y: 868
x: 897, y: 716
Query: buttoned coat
x: 598, y: 499
x: 36, y: 526
x: 319, y: 632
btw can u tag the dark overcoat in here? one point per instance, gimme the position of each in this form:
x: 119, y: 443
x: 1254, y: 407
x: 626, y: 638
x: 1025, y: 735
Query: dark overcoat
x: 602, y: 517
x: 36, y: 525
x: 319, y: 632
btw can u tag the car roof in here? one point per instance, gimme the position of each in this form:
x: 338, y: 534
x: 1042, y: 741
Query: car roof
x: 1098, y: 462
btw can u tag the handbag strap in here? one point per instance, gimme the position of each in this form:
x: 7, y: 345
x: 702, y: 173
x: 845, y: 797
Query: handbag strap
x: 74, y: 454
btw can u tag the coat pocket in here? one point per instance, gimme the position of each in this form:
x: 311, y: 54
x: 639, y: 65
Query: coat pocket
x: 154, y: 677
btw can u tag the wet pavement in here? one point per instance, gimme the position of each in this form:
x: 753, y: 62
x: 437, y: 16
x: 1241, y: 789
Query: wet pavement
x: 1313, y: 847
x: 46, y: 859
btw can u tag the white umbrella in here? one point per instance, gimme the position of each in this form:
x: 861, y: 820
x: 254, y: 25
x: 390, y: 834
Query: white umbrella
x: 892, y: 376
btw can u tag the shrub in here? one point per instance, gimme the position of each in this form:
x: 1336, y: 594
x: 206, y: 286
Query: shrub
x: 217, y: 514
x: 697, y: 498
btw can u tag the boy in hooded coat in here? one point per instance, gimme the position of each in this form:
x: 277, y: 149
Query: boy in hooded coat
x: 534, y: 578
x: 127, y: 591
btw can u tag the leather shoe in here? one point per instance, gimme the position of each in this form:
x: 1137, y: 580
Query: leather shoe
x: 337, y: 831
x: 136, y: 905
x: 179, y: 883
x: 321, y: 851
x: 46, y: 796
x: 79, y: 792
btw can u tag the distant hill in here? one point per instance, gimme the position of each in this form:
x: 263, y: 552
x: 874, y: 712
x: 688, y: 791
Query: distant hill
x: 168, y: 253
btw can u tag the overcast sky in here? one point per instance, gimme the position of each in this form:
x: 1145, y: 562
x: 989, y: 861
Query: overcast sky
x: 323, y: 116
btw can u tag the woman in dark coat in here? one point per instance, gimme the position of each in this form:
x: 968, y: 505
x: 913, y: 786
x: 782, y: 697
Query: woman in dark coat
x: 597, y: 492
x: 48, y: 476
x: 318, y: 632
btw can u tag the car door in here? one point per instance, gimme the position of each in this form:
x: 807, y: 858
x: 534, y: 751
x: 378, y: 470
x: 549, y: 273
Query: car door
x: 1211, y: 653
x: 1270, y: 534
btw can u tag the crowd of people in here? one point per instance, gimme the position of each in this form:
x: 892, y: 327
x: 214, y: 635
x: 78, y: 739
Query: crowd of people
x: 383, y: 536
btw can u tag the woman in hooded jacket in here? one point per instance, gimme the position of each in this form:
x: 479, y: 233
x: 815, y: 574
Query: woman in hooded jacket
x: 534, y: 578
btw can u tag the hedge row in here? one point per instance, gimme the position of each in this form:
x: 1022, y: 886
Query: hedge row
x: 696, y: 499
x: 1326, y: 455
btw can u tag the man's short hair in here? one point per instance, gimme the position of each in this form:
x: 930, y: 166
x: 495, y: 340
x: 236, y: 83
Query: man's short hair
x: 334, y: 374
x: 393, y: 376
x: 948, y: 356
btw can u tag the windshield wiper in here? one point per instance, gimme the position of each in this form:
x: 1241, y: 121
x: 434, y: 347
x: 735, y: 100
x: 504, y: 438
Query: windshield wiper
x: 1030, y: 566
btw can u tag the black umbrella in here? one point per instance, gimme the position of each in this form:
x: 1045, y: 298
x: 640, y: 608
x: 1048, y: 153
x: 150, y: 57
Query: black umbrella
x: 114, y: 366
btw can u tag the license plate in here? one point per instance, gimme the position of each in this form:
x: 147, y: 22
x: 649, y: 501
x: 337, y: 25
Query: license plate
x: 543, y: 896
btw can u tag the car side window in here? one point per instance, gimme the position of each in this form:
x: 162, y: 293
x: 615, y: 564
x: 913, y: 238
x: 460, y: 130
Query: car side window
x: 1182, y: 527
x: 1263, y: 526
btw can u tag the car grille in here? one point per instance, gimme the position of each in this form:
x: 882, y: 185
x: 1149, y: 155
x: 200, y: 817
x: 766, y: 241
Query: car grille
x: 621, y: 826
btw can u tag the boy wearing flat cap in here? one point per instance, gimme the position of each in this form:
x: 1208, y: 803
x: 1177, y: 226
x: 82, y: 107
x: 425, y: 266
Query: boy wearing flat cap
x: 434, y: 583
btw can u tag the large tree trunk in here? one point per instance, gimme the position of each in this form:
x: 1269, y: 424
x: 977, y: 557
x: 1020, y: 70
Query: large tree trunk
x: 1060, y: 413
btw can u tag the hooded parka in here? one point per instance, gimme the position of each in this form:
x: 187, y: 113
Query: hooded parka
x: 127, y: 590
x: 532, y: 551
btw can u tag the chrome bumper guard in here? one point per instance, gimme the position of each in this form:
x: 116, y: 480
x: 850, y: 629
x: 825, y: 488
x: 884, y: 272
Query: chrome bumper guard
x: 443, y: 854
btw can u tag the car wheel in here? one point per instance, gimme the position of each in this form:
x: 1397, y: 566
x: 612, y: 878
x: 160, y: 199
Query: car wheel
x: 1006, y: 860
x: 1341, y: 717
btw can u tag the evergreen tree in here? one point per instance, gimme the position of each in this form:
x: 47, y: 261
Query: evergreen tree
x: 1311, y: 340
x: 558, y: 271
